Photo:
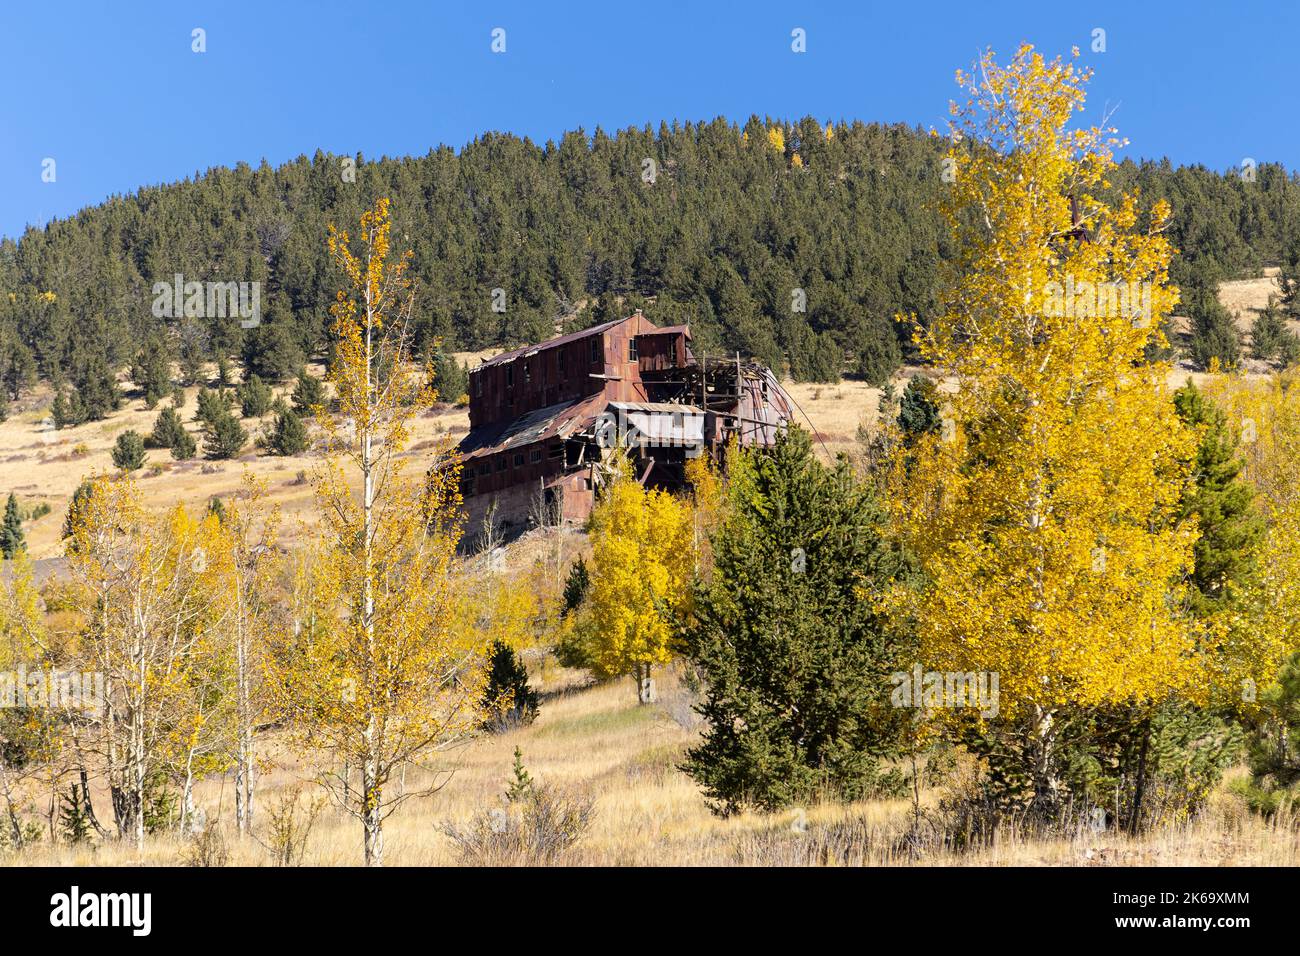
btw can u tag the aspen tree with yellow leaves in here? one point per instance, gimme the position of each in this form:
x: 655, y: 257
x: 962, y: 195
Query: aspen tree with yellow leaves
x: 150, y: 596
x: 1043, y: 512
x: 249, y: 562
x: 376, y: 677
x: 29, y: 735
x: 643, y: 562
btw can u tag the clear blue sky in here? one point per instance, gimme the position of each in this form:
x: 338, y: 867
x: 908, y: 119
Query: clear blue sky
x: 113, y: 93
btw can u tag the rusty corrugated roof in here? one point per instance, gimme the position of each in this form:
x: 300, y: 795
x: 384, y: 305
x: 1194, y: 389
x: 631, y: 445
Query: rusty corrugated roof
x: 551, y: 343
x: 553, y: 421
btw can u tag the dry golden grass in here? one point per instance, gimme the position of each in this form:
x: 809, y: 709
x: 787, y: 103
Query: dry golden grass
x: 648, y: 813
x: 597, y: 737
x: 40, y: 464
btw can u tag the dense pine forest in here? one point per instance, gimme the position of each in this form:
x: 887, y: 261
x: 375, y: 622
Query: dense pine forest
x: 792, y: 242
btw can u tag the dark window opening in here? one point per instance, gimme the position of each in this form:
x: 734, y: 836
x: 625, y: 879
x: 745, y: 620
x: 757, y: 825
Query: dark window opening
x: 595, y: 349
x: 528, y: 372
x: 535, y: 456
x: 510, y: 375
x: 631, y: 349
x: 501, y: 463
x: 557, y: 450
x: 519, y: 459
x: 485, y: 468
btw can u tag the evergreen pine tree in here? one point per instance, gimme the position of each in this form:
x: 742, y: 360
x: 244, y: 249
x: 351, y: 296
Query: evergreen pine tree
x: 1231, y: 528
x: 449, y: 377
x: 521, y: 781
x: 918, y: 409
x: 272, y: 351
x: 97, y: 393
x: 254, y: 397
x: 1266, y: 333
x: 575, y: 585
x: 61, y: 410
x: 1214, y: 334
x: 128, y: 452
x: 289, y: 434
x: 795, y: 655
x: 11, y: 531
x: 223, y: 437
x: 151, y: 371
x: 184, y: 447
x: 78, y: 499
x: 167, y: 429
x: 508, y: 699
x: 307, y: 393
x: 212, y: 406
x: 74, y: 817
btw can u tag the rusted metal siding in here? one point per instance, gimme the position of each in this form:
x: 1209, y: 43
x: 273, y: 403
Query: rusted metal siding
x: 661, y: 349
x: 490, y: 474
x: 600, y: 359
x: 535, y: 380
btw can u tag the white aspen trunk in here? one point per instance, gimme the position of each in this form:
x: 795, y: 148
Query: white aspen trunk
x: 371, y: 793
x: 244, y: 769
x: 138, y: 777
x: 370, y: 787
x: 187, y: 795
x: 1046, y: 788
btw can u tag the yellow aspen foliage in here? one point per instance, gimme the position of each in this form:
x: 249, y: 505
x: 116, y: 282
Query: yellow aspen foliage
x: 23, y: 648
x: 378, y: 676
x: 776, y: 139
x: 641, y: 578
x: 250, y: 568
x: 1266, y: 417
x: 708, y: 503
x: 152, y: 594
x: 1044, y: 510
x: 796, y: 161
x: 493, y: 605
x: 830, y: 131
x: 23, y: 636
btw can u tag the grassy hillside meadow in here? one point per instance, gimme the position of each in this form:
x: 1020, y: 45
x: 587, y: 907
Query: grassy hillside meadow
x: 592, y: 736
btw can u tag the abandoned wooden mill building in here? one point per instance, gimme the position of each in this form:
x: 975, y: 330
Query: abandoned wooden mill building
x: 546, y: 419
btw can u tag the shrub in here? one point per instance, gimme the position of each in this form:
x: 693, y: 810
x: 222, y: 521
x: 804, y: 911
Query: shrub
x: 290, y: 825
x: 537, y: 825
x: 208, y: 848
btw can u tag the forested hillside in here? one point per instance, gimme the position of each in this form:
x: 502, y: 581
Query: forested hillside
x: 795, y: 243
